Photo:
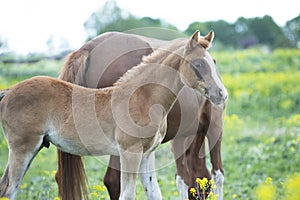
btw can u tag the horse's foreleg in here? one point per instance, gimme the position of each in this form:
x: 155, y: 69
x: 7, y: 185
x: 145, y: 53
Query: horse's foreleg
x: 148, y: 177
x: 112, y: 177
x: 20, y: 157
x: 214, y: 136
x: 216, y: 161
x: 182, y: 176
x: 196, y: 160
x: 130, y: 158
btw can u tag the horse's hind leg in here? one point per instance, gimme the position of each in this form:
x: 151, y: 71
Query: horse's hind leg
x: 21, y: 153
x: 148, y: 177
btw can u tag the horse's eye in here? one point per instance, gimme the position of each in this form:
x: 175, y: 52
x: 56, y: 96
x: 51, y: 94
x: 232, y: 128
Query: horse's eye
x: 215, y: 61
x: 198, y: 65
x: 197, y: 68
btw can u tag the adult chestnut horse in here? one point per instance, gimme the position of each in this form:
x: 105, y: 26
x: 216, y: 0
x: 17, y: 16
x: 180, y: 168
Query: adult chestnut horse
x: 100, y: 62
x: 127, y: 120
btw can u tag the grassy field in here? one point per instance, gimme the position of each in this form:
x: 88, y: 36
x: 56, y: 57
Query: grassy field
x: 261, y: 140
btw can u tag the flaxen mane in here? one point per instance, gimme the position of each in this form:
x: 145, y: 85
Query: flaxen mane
x: 156, y: 57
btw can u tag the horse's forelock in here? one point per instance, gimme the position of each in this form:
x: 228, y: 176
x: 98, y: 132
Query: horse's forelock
x: 204, y: 43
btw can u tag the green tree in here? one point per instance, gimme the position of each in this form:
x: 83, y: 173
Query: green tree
x: 113, y: 18
x: 224, y: 31
x: 292, y: 29
x: 244, y: 35
x: 268, y: 32
x: 108, y: 14
x: 246, y: 32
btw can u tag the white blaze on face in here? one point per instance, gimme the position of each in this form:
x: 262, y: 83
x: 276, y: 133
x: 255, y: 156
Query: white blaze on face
x: 214, y: 73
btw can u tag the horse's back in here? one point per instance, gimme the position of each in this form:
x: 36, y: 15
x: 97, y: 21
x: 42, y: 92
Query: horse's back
x: 33, y: 96
x: 112, y: 57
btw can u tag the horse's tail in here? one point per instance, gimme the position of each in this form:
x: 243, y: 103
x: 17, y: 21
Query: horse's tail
x: 71, y: 177
x: 2, y: 94
x: 74, y: 68
x: 72, y: 180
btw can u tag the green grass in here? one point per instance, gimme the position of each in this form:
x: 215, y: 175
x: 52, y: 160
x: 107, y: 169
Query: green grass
x: 250, y: 155
x: 261, y: 135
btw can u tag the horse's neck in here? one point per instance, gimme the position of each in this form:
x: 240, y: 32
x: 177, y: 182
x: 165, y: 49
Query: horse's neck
x: 156, y: 83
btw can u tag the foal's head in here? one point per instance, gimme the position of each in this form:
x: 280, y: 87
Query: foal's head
x: 198, y: 69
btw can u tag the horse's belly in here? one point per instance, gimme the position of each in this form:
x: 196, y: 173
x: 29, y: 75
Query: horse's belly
x: 90, y: 144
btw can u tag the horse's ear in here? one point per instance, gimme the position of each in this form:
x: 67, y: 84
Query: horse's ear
x: 193, y: 40
x: 210, y: 36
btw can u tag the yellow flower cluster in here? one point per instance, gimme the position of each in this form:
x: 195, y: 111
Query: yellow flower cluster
x: 193, y: 192
x: 212, y: 196
x: 98, y: 192
x: 99, y: 188
x: 203, y: 183
x: 267, y: 191
x: 292, y: 188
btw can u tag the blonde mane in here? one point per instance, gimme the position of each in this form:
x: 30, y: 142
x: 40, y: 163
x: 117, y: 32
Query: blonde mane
x: 156, y: 56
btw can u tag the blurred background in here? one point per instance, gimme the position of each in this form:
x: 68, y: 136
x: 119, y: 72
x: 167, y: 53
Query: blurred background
x: 52, y: 27
x: 257, y: 51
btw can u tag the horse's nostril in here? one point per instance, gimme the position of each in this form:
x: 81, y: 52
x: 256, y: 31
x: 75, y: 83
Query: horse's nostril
x: 223, y: 93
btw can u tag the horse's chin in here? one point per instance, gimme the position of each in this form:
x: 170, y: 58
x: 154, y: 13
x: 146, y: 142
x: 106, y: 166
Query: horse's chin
x: 217, y: 101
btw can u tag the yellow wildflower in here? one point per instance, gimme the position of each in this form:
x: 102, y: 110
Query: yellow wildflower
x: 94, y: 194
x: 23, y: 186
x: 268, y: 180
x: 56, y: 198
x: 193, y: 191
x: 202, y: 183
x: 53, y: 173
x: 212, y: 196
x: 4, y: 198
x: 99, y: 188
x: 265, y: 192
x: 234, y: 196
x: 292, y: 188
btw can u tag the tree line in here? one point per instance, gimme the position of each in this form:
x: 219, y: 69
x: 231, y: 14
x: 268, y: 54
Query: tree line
x: 244, y: 33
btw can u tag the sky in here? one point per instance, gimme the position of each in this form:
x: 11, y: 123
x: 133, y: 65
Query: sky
x: 27, y: 25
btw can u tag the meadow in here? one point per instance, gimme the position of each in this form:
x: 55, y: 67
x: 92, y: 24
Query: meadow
x: 261, y: 139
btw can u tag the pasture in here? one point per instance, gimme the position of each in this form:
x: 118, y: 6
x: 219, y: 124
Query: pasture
x: 261, y: 139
